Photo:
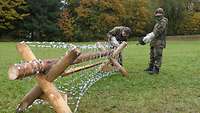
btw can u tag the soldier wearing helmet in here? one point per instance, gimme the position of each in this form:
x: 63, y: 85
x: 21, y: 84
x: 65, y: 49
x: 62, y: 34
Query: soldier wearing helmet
x: 157, y: 40
x: 116, y: 36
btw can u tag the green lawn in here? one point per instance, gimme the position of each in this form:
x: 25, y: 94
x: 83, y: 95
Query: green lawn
x: 175, y: 90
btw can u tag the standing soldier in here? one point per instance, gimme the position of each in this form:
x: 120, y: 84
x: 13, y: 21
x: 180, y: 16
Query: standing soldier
x: 116, y: 36
x: 157, y: 40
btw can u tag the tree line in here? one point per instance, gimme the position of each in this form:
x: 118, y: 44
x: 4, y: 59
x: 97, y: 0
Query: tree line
x: 90, y: 20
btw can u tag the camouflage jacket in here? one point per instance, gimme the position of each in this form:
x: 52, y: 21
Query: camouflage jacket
x: 160, y: 31
x: 117, y: 33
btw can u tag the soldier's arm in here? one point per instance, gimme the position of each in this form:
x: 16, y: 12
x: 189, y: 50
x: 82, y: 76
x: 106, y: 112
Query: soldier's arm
x: 160, y: 28
x: 112, y: 37
x: 112, y: 32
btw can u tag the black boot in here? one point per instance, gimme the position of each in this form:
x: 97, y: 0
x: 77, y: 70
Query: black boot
x: 150, y: 68
x: 155, y: 70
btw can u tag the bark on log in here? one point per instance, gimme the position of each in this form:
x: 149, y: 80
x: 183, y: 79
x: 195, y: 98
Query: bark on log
x: 25, y: 52
x: 19, y: 71
x: 91, y: 56
x: 119, y: 49
x: 119, y: 67
x: 54, y: 97
x: 77, y: 69
x: 45, y: 98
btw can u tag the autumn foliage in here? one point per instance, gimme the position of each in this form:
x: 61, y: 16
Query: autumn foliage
x: 190, y: 24
x: 90, y: 20
x: 10, y: 12
x: 94, y: 18
x: 66, y: 25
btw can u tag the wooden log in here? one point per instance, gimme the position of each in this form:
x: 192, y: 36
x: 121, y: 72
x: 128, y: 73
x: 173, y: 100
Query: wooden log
x: 119, y: 67
x: 77, y: 69
x: 119, y: 49
x: 45, y: 98
x: 23, y: 70
x: 19, y: 71
x: 54, y: 97
x: 91, y: 56
x: 36, y: 92
x: 62, y: 64
x: 25, y: 52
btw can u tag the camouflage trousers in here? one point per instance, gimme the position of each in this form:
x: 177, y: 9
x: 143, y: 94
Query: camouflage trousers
x: 155, y: 56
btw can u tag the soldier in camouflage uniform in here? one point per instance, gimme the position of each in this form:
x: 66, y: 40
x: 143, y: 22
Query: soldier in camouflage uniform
x: 157, y: 40
x: 116, y: 36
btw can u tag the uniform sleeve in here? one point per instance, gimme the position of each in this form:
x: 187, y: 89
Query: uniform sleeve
x: 160, y: 28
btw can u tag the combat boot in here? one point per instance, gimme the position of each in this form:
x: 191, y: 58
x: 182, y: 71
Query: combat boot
x: 150, y: 68
x: 154, y: 71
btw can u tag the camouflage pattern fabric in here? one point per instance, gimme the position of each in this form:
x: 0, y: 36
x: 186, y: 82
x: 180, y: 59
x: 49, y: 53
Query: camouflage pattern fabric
x: 117, y: 33
x: 158, y: 43
x: 155, y: 56
x: 160, y: 31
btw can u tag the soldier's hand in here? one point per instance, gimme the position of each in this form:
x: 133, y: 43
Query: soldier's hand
x: 140, y: 41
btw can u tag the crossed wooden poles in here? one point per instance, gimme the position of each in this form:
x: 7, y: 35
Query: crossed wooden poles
x: 47, y: 71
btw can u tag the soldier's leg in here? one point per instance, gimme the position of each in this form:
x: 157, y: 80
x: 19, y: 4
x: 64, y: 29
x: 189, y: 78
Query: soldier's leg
x: 158, y: 56
x: 158, y: 60
x: 151, y: 59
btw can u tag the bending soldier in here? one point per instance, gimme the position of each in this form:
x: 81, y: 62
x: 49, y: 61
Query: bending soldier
x: 116, y: 36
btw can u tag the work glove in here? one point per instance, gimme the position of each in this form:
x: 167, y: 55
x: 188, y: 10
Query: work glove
x: 114, y: 42
x: 147, y: 39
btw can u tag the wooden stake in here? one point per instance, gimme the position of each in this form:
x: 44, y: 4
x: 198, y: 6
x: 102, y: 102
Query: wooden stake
x: 119, y: 49
x: 91, y: 56
x: 77, y: 69
x: 54, y: 97
x: 45, y: 98
x: 25, y: 52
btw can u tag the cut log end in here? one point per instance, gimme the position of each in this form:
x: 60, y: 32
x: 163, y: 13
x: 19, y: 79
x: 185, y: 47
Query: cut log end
x: 106, y: 67
x: 12, y: 73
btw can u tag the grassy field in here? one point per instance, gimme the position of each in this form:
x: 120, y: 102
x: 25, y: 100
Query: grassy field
x: 175, y: 90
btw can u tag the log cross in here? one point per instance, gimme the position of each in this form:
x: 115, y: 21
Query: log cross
x: 113, y: 61
x: 45, y: 85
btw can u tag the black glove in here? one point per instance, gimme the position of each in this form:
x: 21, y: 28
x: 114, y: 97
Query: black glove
x: 140, y: 41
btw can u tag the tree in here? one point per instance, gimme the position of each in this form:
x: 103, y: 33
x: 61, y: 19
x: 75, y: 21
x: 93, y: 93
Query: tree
x: 190, y: 24
x: 96, y: 17
x: 11, y: 11
x: 175, y: 12
x: 41, y: 25
x: 66, y: 25
x: 138, y: 16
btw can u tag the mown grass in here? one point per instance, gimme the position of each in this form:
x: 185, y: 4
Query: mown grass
x: 175, y: 90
